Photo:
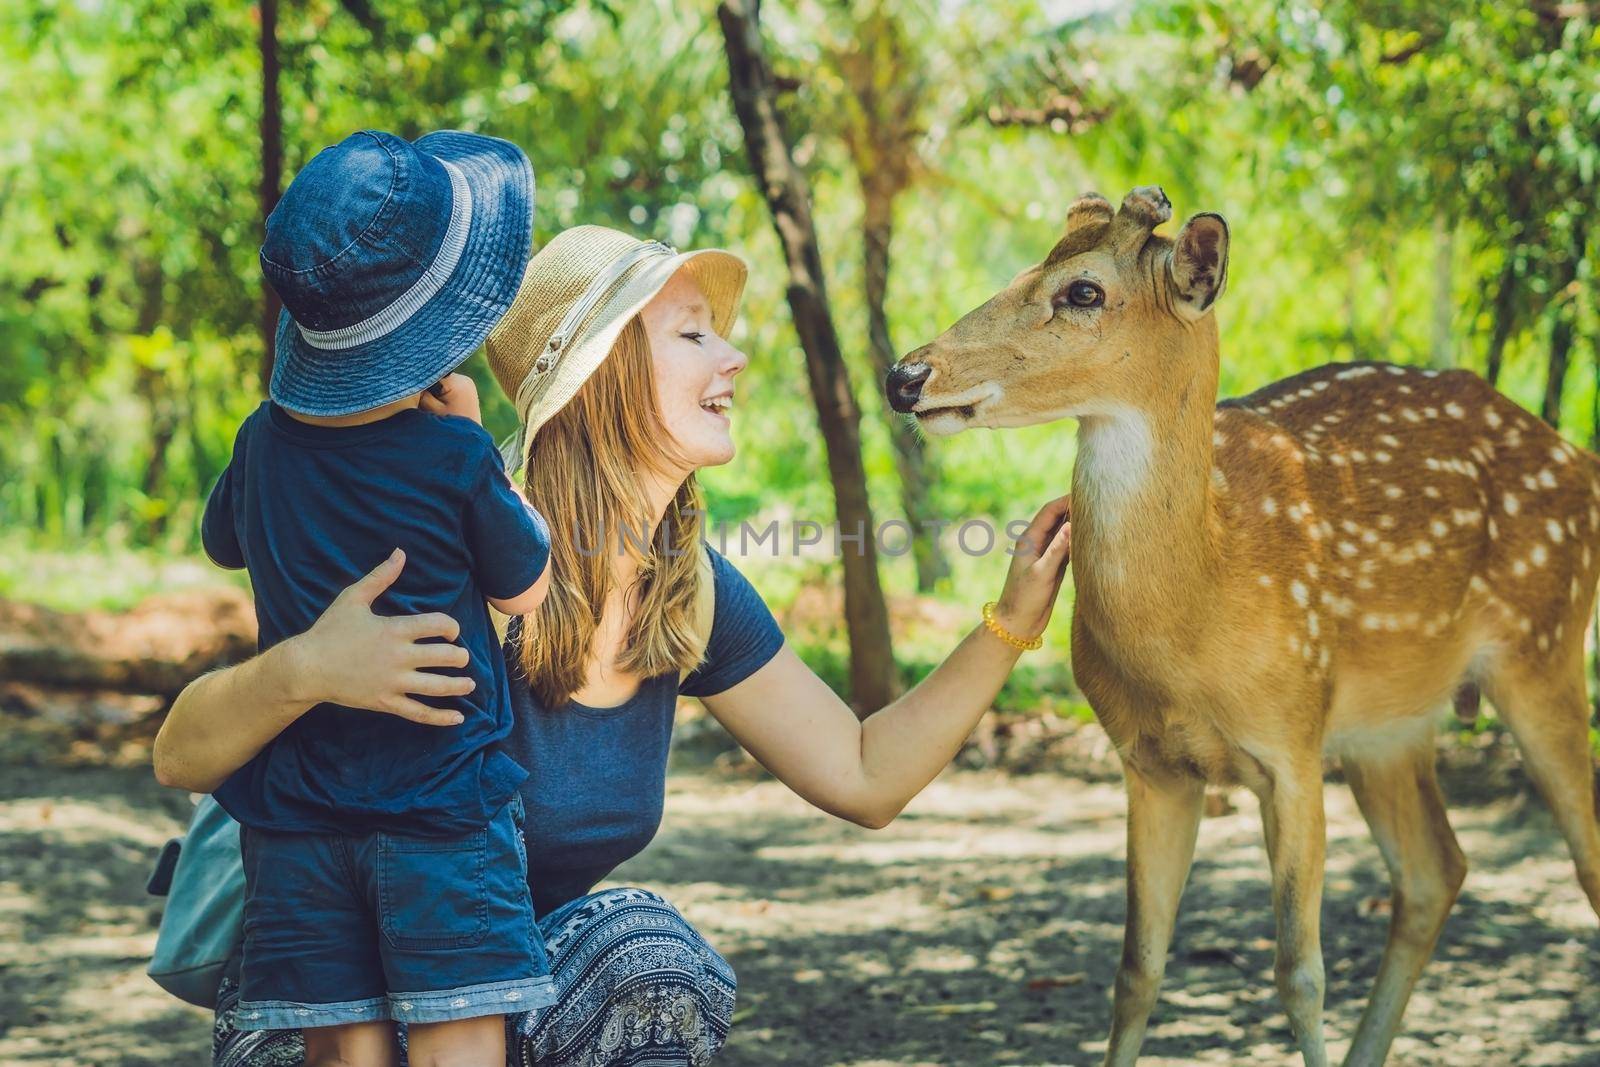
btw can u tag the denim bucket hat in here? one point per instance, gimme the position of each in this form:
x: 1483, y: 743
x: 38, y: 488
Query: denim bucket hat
x: 393, y: 260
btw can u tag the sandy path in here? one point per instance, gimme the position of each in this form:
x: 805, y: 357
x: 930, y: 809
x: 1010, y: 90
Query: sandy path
x: 982, y: 928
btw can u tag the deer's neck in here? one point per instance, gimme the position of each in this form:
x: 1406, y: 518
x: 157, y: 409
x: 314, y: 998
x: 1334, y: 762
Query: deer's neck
x: 1145, y: 528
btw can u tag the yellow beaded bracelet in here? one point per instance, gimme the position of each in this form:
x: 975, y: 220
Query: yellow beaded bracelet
x: 1024, y: 644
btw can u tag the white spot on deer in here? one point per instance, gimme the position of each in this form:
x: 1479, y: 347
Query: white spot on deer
x: 1572, y: 526
x: 1559, y: 629
x: 1519, y: 568
x: 1395, y: 370
x: 1544, y: 642
x: 1307, y: 652
x: 1594, y: 517
x: 1393, y: 492
x: 1431, y: 463
x: 1265, y: 580
x: 1539, y: 555
x: 1336, y: 459
x: 1423, y: 549
x: 1546, y: 478
x: 1312, y: 571
x: 1312, y: 625
x: 1431, y: 412
x: 1404, y: 389
x: 1355, y: 372
x: 1464, y: 516
x: 1371, y: 622
x: 1431, y: 492
x: 1525, y: 625
x: 1386, y: 522
x: 1438, y: 528
x: 1558, y: 454
x: 1494, y: 529
x: 1346, y: 548
x: 1322, y: 658
x: 1296, y: 512
x: 1454, y: 410
x: 1294, y: 642
x: 1218, y: 439
x: 1492, y: 418
x: 1319, y: 386
x: 1574, y: 590
x: 1304, y: 393
x: 1553, y: 528
x: 1477, y: 585
x: 1364, y: 584
x: 1409, y: 415
x: 1269, y: 505
x: 1219, y: 481
x: 1381, y: 456
x: 1528, y: 482
x: 1587, y: 556
x: 1509, y: 502
x: 1301, y: 594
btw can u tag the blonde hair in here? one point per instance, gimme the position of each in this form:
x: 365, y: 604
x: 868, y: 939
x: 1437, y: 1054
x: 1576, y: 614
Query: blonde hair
x: 582, y: 475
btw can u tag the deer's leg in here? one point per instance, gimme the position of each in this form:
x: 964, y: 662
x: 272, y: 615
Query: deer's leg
x: 1296, y: 837
x: 1550, y: 720
x: 1163, y: 819
x: 1399, y: 795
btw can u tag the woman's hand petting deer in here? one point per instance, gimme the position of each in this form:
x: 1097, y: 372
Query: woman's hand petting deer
x: 426, y: 808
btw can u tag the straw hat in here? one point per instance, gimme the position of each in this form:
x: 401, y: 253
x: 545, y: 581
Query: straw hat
x: 577, y: 294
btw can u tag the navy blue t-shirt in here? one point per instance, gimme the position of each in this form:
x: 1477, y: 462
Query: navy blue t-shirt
x: 598, y: 776
x: 309, y: 509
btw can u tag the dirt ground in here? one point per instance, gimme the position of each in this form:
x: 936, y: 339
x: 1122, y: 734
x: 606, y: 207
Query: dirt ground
x: 982, y: 928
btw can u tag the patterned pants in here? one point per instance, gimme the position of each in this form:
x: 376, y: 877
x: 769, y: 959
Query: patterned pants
x: 639, y: 987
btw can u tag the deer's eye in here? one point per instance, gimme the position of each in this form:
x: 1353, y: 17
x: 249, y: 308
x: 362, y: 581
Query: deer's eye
x: 1080, y: 294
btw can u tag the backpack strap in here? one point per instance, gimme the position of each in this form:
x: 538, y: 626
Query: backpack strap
x: 705, y: 608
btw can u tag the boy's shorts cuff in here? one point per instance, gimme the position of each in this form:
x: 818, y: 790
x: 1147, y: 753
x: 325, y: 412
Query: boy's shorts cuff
x: 289, y: 1015
x: 470, y: 1002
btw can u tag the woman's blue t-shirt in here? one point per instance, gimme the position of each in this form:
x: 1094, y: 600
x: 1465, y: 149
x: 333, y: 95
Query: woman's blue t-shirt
x: 597, y: 777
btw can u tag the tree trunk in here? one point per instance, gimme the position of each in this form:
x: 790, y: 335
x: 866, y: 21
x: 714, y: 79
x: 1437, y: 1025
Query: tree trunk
x: 1505, y: 311
x: 271, y: 169
x: 1556, y: 375
x: 911, y: 457
x: 1441, y: 353
x: 1563, y: 328
x: 788, y: 196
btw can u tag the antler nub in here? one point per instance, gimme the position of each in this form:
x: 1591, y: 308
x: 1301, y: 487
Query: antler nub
x: 1142, y: 211
x: 1088, y: 208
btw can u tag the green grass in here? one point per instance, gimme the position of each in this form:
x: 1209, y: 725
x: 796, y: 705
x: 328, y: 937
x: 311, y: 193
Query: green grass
x: 106, y: 576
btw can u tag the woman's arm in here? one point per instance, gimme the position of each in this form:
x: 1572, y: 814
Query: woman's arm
x: 867, y: 771
x: 349, y: 656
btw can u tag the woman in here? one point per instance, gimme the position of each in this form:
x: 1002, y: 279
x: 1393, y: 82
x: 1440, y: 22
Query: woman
x: 615, y: 354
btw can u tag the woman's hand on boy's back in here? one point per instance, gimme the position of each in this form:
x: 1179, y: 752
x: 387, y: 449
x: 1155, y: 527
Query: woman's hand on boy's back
x: 353, y: 657
x: 458, y: 395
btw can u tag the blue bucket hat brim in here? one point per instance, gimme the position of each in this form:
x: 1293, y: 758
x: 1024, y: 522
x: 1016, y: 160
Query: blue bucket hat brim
x: 440, y: 336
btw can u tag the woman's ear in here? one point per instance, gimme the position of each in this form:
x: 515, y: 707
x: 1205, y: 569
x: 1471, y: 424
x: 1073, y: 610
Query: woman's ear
x: 1198, y: 268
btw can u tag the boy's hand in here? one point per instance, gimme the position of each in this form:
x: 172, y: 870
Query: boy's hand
x: 459, y: 397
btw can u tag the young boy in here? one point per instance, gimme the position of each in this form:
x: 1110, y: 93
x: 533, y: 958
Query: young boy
x: 385, y: 874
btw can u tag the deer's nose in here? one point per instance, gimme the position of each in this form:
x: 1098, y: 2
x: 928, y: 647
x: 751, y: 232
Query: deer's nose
x: 904, y: 385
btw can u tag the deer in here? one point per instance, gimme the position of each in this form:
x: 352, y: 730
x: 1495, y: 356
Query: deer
x: 1319, y: 567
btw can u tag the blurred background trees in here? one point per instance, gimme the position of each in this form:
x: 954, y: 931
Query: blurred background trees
x: 1405, y: 181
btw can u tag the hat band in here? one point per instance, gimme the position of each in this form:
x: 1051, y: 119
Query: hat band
x: 422, y: 290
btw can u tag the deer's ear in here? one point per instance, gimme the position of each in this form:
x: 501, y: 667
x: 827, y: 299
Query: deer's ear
x: 1199, y: 264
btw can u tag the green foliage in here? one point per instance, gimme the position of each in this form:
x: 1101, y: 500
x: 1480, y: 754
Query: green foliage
x: 1353, y: 146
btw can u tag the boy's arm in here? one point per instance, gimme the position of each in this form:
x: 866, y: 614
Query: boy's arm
x: 218, y: 535
x: 508, y: 541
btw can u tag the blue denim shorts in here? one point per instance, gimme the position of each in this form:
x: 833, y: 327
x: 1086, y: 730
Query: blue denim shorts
x: 364, y: 927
